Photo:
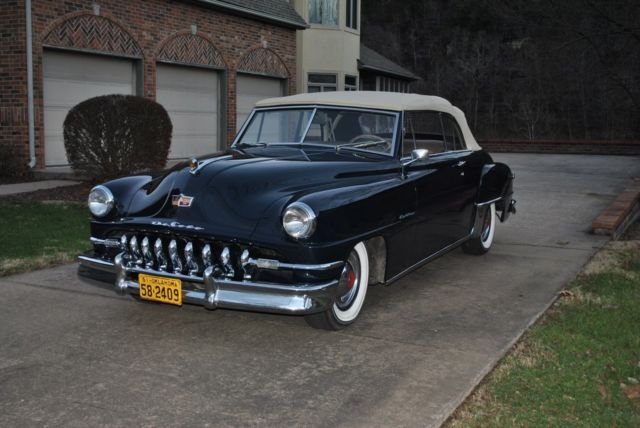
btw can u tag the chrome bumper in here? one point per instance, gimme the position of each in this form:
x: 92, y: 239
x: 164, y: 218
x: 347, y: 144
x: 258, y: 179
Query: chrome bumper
x: 213, y: 293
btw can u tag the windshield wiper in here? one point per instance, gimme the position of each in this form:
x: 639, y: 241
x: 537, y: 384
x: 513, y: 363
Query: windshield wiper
x: 260, y: 144
x: 359, y: 145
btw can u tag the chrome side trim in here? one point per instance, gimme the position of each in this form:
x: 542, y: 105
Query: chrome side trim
x: 111, y: 243
x: 481, y: 204
x: 276, y: 265
x: 426, y: 260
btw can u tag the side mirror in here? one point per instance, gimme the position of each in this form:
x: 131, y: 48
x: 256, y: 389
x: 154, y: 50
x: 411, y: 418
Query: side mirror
x: 417, y: 155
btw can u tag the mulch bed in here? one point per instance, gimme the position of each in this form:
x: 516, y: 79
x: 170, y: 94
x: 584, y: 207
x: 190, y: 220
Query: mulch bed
x: 77, y: 193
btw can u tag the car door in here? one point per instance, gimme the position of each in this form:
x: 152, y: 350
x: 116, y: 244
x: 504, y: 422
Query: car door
x: 444, y: 191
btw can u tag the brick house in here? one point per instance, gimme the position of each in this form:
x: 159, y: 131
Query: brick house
x: 206, y: 61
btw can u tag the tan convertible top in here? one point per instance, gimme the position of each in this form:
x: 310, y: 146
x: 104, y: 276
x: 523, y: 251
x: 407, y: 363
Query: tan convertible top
x: 378, y: 100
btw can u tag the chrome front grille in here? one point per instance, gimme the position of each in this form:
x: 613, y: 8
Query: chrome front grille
x: 185, y: 257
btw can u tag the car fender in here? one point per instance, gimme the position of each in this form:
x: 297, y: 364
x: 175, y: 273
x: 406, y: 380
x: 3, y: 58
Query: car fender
x: 123, y: 190
x: 496, y: 186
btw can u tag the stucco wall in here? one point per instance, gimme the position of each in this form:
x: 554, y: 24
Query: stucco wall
x: 324, y: 49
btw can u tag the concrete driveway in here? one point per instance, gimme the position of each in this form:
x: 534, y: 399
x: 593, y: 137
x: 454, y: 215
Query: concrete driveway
x: 76, y: 355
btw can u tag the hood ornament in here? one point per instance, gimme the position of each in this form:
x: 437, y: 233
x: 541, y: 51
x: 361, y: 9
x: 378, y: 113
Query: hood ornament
x: 196, y: 166
x: 193, y: 165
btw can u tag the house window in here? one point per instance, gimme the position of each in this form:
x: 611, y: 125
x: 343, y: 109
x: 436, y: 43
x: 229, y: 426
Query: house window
x: 350, y: 83
x: 352, y: 14
x: 388, y: 84
x: 317, y: 82
x: 367, y: 83
x: 323, y: 12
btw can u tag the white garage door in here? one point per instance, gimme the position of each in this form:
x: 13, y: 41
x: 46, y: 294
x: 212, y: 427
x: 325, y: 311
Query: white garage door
x: 70, y: 78
x: 190, y: 95
x: 252, y: 89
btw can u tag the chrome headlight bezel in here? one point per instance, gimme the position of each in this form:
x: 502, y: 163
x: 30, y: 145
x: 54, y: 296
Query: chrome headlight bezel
x: 100, y: 201
x: 299, y: 220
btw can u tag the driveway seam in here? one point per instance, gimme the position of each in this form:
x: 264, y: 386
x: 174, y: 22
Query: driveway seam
x: 47, y: 287
x: 517, y: 244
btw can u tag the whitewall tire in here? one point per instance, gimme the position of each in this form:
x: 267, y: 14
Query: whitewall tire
x: 481, y: 242
x: 352, y: 290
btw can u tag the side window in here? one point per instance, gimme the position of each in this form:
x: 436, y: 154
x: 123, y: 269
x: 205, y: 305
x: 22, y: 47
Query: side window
x: 423, y: 130
x: 452, y: 134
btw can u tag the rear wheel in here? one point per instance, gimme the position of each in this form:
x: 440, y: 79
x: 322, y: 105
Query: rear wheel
x: 481, y: 243
x: 352, y: 289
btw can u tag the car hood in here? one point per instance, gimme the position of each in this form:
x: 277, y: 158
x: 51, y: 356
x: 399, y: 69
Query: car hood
x: 231, y: 191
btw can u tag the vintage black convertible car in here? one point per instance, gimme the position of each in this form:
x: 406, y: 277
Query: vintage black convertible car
x: 320, y: 196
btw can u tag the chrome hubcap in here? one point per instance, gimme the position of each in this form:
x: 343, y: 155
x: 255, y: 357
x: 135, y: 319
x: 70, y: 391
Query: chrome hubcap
x: 349, y: 282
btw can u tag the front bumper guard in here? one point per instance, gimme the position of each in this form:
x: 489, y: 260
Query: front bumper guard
x: 299, y: 299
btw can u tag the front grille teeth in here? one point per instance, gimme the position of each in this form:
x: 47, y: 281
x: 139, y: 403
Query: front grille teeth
x: 225, y: 261
x: 206, y: 256
x: 192, y: 265
x: 160, y: 257
x: 147, y: 257
x: 174, y: 257
x: 185, y: 257
x: 136, y: 255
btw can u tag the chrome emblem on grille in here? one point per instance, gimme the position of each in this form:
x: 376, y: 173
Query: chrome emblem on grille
x: 181, y: 201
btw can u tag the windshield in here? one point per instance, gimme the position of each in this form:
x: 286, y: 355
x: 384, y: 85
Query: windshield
x: 341, y: 128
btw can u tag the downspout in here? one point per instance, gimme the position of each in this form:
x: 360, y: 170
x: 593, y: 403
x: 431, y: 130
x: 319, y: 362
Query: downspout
x: 32, y: 139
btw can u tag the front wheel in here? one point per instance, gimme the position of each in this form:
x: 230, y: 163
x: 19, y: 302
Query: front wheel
x: 480, y: 244
x: 352, y: 289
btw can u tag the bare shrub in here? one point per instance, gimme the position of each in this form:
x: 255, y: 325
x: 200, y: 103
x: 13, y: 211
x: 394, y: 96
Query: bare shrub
x: 114, y: 135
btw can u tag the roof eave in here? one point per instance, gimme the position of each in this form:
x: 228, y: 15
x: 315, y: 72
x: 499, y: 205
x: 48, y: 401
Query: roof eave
x: 411, y: 77
x: 254, y: 14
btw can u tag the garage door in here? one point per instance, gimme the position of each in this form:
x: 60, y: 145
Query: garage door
x: 70, y: 78
x: 190, y: 95
x: 252, y: 89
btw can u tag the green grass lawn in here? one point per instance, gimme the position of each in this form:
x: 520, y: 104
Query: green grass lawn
x: 35, y: 235
x: 578, y: 366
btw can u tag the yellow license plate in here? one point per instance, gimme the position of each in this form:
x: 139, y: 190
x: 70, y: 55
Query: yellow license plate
x: 160, y: 289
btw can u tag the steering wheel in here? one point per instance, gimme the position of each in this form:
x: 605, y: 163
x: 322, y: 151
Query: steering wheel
x: 374, y: 140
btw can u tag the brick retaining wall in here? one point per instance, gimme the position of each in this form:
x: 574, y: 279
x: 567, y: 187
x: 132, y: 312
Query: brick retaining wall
x: 563, y: 147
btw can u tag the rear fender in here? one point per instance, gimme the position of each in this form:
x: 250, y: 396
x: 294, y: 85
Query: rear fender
x: 496, y: 186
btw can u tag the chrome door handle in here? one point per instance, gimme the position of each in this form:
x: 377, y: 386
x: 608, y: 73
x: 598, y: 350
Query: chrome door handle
x: 461, y: 163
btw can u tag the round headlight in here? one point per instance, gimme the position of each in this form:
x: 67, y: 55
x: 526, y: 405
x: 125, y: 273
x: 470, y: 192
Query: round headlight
x: 299, y: 220
x: 101, y: 201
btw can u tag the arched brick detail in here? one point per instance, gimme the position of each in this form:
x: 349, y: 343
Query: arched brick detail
x: 263, y: 61
x: 190, y: 49
x: 95, y: 33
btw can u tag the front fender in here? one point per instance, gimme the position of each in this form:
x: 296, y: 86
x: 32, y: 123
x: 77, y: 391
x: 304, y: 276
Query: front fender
x: 123, y: 190
x: 496, y: 186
